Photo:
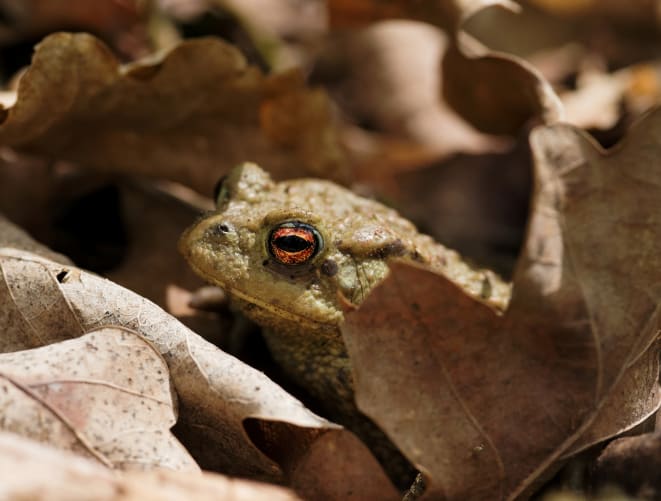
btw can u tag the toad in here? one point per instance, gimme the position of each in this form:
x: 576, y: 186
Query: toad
x: 289, y: 253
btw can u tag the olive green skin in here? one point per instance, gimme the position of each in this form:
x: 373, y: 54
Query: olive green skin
x: 301, y: 307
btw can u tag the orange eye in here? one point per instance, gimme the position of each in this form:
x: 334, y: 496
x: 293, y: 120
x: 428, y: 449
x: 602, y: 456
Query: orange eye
x: 294, y: 243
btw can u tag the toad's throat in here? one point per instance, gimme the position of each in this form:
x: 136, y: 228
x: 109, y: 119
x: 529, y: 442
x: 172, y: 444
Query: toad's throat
x: 277, y: 310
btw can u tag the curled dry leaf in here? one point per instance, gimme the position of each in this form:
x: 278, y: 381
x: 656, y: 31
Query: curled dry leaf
x: 497, y: 93
x: 487, y: 405
x: 43, y: 301
x: 105, y: 395
x: 29, y: 470
x: 188, y: 115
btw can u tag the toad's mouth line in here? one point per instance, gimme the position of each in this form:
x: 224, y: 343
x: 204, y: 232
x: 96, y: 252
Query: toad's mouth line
x: 261, y: 304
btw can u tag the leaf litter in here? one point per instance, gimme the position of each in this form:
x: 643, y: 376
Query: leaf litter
x: 487, y: 406
x: 105, y: 395
x: 216, y: 392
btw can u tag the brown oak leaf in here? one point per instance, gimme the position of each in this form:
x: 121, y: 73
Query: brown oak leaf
x: 486, y: 405
x: 188, y: 115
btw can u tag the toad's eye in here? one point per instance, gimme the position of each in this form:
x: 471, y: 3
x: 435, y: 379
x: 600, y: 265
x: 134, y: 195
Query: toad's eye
x: 294, y: 243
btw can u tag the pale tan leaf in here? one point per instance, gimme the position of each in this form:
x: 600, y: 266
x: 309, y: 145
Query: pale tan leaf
x: 105, y: 395
x: 31, y: 471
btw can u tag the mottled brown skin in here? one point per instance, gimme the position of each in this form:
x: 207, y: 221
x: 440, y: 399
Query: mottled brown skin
x: 300, y: 306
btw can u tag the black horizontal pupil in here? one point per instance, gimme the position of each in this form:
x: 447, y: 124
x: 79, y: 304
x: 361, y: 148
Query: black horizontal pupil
x: 292, y: 243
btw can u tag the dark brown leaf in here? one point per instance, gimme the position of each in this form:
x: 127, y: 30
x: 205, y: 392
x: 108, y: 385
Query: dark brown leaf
x: 188, y: 115
x: 485, y: 405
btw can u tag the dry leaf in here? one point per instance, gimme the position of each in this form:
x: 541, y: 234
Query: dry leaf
x: 98, y: 221
x: 187, y: 116
x: 29, y: 470
x: 389, y: 78
x: 488, y: 405
x: 42, y: 301
x: 497, y: 93
x: 105, y: 395
x: 144, y: 206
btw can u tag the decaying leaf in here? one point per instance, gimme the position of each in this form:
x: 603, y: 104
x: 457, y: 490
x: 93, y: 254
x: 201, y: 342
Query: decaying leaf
x: 29, y: 470
x: 105, y: 395
x: 188, y: 115
x: 43, y: 301
x: 487, y: 405
x: 497, y: 93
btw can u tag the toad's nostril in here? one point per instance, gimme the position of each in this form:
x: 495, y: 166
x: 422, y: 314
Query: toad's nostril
x: 220, y: 229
